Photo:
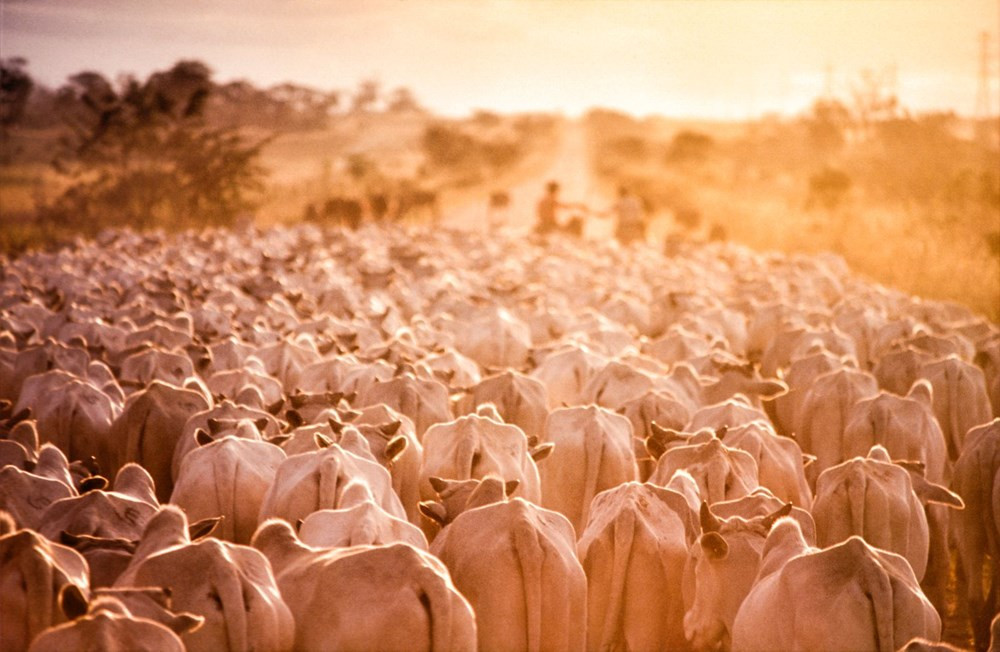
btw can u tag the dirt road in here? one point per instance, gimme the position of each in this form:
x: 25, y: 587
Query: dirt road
x: 569, y: 164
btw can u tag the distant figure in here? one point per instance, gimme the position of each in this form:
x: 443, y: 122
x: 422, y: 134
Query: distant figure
x: 496, y: 209
x: 547, y: 207
x: 631, y: 219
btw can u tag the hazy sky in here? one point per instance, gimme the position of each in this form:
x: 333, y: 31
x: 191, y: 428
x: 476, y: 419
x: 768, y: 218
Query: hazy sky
x: 675, y: 57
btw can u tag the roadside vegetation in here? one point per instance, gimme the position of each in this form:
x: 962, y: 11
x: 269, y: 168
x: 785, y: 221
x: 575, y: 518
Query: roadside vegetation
x: 912, y: 201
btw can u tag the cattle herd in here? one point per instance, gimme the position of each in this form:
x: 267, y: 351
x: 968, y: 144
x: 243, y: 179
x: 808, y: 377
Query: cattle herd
x: 406, y: 438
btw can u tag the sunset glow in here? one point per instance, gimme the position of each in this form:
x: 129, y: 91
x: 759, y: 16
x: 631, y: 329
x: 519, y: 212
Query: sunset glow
x: 720, y: 59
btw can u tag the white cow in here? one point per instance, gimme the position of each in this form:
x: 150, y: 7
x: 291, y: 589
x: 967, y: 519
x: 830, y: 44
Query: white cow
x: 384, y: 597
x: 633, y: 551
x: 850, y: 596
x: 879, y: 501
x: 593, y: 452
x: 516, y: 564
x: 227, y: 477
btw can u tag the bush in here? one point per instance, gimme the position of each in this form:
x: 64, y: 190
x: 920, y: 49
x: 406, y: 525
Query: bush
x: 141, y: 154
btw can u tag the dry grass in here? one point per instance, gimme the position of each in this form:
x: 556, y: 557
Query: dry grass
x: 893, y: 243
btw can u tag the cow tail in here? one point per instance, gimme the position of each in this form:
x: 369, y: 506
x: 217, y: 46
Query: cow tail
x: 329, y: 470
x: 876, y: 585
x: 467, y: 447
x: 234, y: 610
x: 38, y: 576
x: 614, y: 615
x: 226, y: 502
x: 530, y: 557
x: 439, y: 607
x: 593, y: 449
x: 857, y: 489
x: 954, y: 406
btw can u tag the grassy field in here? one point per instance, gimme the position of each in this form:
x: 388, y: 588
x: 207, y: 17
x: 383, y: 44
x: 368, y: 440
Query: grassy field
x: 923, y: 246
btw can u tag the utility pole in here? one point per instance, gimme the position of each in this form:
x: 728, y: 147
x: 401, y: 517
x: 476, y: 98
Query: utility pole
x: 984, y: 108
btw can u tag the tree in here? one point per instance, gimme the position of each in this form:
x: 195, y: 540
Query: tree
x: 15, y: 89
x: 826, y: 124
x: 367, y: 96
x: 141, y: 153
x: 402, y: 100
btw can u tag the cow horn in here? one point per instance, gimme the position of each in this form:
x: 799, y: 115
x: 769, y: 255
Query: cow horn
x: 709, y: 522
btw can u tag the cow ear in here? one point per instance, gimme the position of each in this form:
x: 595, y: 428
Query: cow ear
x: 510, y: 487
x: 770, y: 389
x: 202, y: 437
x: 204, y: 527
x: 294, y: 419
x: 433, y: 511
x: 332, y: 398
x: 275, y: 407
x: 350, y: 398
x: 349, y: 415
x: 322, y: 441
x: 709, y: 522
x: 72, y: 602
x: 784, y: 510
x: 542, y: 451
x: 395, y: 447
x: 390, y: 429
x: 913, y: 466
x: 336, y: 426
x: 7, y: 523
x: 438, y: 484
x: 278, y: 440
x: 214, y: 426
x: 655, y: 447
x: 261, y: 423
x: 185, y: 623
x: 714, y: 545
x: 93, y: 483
x: 298, y: 400
x: 928, y: 492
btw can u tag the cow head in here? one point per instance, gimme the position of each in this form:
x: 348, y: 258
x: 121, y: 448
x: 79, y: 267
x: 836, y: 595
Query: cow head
x: 725, y: 559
